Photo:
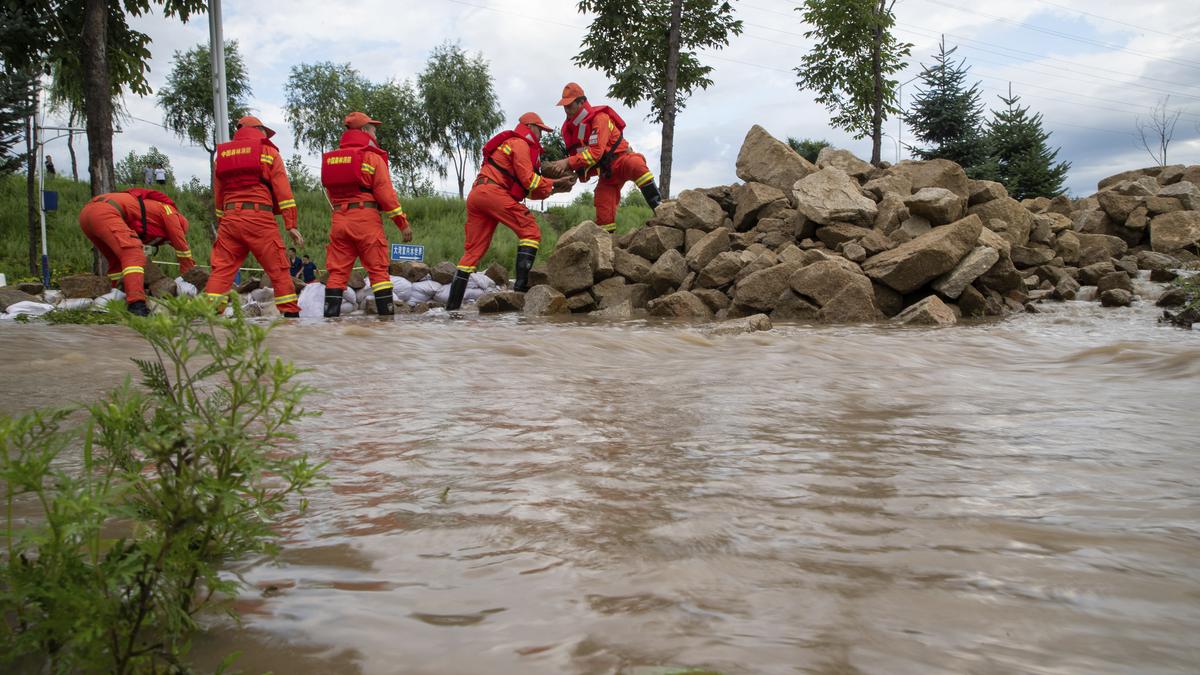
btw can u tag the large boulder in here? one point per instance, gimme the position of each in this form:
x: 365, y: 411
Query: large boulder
x: 1025, y: 257
x: 680, y: 305
x: 844, y: 160
x: 668, y: 271
x: 570, y: 267
x: 765, y: 159
x: 832, y: 196
x: 633, y: 267
x: 1066, y: 245
x: 500, y: 301
x: 1117, y: 206
x: 1017, y: 220
x: 888, y: 183
x: 985, y: 191
x: 599, y: 242
x: 1116, y: 297
x: 941, y: 173
x: 545, y: 301
x: 652, y: 241
x: 822, y: 281
x: 952, y: 283
x: 1186, y: 192
x: 443, y: 273
x: 1175, y: 231
x: 915, y: 263
x: 497, y: 273
x: 708, y: 247
x: 749, y: 324
x: 88, y: 286
x: 938, y: 205
x: 695, y: 209
x: 840, y: 233
x: 721, y: 270
x: 762, y: 289
x: 751, y: 199
x: 928, y: 312
x: 197, y: 277
x: 11, y: 296
x: 1095, y: 248
x: 1134, y: 174
x: 854, y: 304
x: 792, y: 307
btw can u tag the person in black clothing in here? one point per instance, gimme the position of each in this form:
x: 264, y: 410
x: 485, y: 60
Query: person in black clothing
x: 50, y: 166
x: 309, y: 270
x: 297, y: 262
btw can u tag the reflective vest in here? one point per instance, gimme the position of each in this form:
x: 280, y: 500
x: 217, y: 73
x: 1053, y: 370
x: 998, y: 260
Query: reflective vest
x: 239, y: 162
x: 580, y: 133
x: 344, y: 171
x: 514, y: 186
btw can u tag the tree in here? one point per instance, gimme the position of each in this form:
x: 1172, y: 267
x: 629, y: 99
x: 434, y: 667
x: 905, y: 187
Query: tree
x: 1157, y: 132
x: 850, y: 64
x: 300, y: 176
x: 1018, y: 155
x: 808, y: 148
x: 947, y: 114
x: 130, y: 171
x: 320, y: 95
x: 553, y: 146
x: 187, y: 97
x: 461, y: 107
x: 16, y: 105
x: 650, y: 51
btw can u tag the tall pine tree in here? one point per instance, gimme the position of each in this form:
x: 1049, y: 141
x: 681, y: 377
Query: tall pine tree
x: 947, y: 115
x: 1018, y: 155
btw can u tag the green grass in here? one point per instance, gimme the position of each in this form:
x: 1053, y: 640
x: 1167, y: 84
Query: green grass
x: 437, y: 223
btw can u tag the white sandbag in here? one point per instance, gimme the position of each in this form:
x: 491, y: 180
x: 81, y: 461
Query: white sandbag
x: 348, y: 307
x: 185, y: 289
x: 473, y: 294
x: 423, y: 291
x: 263, y: 295
x: 363, y: 295
x: 27, y: 308
x: 312, y: 301
x: 401, y: 289
x: 115, y: 295
x: 481, y: 281
x: 349, y: 296
x: 52, y: 296
x: 76, y: 303
x: 443, y: 295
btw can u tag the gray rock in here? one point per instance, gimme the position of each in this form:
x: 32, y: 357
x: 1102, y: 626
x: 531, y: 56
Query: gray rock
x: 765, y: 159
x: 89, y: 286
x: 1114, y: 280
x: 1116, y: 297
x: 749, y: 324
x: 1117, y: 206
x: 934, y: 173
x: 752, y: 198
x: 581, y: 302
x: 985, y: 191
x: 915, y: 263
x: 854, y: 252
x: 952, y: 283
x: 760, y: 290
x: 623, y: 311
x: 500, y: 301
x: 199, y: 278
x: 853, y: 304
x: 832, y: 196
x: 844, y: 160
x: 887, y: 300
x: 720, y: 271
x: 930, y: 311
x: 633, y: 267
x: 716, y: 300
x: 891, y: 213
x: 497, y: 273
x: 1186, y: 192
x: 972, y: 303
x: 652, y: 241
x: 546, y: 301
x: 876, y: 242
x: 1025, y: 257
x: 707, y: 248
x: 1066, y: 246
x: 695, y: 209
x: 680, y: 305
x: 1090, y: 275
x: 443, y: 273
x: 896, y: 184
x: 821, y: 282
x: 1151, y: 260
x: 1175, y: 231
x: 791, y: 307
x: 1173, y: 297
x: 1099, y: 248
x: 668, y: 272
x: 11, y: 296
x: 1006, y: 217
x: 839, y: 233
x: 599, y: 243
x: 570, y: 267
x: 938, y: 205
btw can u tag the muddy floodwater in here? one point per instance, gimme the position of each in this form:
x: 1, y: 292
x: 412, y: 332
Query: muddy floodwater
x: 512, y: 497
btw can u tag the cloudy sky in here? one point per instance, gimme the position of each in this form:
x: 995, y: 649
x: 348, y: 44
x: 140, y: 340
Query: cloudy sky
x: 1092, y: 67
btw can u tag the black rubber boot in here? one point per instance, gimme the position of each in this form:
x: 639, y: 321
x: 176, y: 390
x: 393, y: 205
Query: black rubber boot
x: 458, y: 288
x: 291, y: 315
x: 139, y: 308
x: 650, y: 192
x: 333, y: 302
x: 383, y: 302
x: 525, y: 258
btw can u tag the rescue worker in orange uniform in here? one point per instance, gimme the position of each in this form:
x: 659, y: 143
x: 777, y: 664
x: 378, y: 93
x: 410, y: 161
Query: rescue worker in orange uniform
x: 508, y: 175
x: 119, y: 224
x: 360, y: 190
x: 250, y: 186
x: 596, y: 145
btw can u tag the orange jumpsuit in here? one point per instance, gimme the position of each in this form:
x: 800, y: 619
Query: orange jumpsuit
x: 490, y: 203
x: 626, y: 166
x: 247, y: 225
x: 356, y: 230
x: 112, y: 222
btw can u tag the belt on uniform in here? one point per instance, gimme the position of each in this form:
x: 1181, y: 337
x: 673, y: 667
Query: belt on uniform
x: 484, y: 180
x: 248, y: 206
x: 113, y: 203
x: 358, y: 205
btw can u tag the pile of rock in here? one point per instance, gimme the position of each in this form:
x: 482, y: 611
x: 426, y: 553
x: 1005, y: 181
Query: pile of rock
x: 844, y: 241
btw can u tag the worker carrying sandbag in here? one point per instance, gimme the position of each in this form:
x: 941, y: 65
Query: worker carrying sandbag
x: 508, y: 175
x: 360, y: 190
x: 595, y: 140
x: 250, y: 187
x: 119, y: 224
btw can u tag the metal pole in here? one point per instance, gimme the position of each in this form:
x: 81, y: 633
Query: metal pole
x: 41, y: 152
x: 216, y: 47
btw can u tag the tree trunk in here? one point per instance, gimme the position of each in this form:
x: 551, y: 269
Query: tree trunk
x: 31, y: 195
x: 71, y: 146
x: 668, y: 117
x: 877, y: 77
x: 97, y: 96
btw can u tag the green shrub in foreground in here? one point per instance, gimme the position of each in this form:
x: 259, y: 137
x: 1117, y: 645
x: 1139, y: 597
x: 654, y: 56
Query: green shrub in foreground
x: 115, y: 527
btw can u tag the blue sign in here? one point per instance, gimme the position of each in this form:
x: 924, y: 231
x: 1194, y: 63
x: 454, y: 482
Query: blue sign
x: 49, y: 200
x: 414, y: 252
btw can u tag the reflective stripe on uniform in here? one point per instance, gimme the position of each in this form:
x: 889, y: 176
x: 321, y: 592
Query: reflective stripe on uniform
x: 183, y: 254
x: 398, y: 211
x: 466, y: 268
x: 133, y: 269
x: 220, y: 213
x: 284, y: 299
x: 368, y: 168
x: 382, y: 285
x: 643, y: 179
x: 534, y: 182
x: 507, y: 150
x: 287, y: 204
x: 267, y: 158
x: 114, y: 276
x: 530, y: 242
x: 587, y: 157
x: 167, y: 209
x: 611, y: 227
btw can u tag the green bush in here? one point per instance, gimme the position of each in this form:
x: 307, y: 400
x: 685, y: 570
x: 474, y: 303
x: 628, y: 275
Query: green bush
x: 108, y: 563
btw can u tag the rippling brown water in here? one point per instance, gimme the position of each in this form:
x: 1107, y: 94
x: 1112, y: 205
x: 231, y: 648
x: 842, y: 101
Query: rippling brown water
x: 508, y: 497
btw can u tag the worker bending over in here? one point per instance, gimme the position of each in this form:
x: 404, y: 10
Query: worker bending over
x: 596, y: 145
x: 360, y: 189
x: 508, y: 175
x: 119, y: 224
x: 250, y: 187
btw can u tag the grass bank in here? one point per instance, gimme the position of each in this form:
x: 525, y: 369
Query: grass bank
x: 437, y: 223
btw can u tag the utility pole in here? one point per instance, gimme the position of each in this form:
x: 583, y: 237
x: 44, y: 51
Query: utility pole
x: 216, y: 50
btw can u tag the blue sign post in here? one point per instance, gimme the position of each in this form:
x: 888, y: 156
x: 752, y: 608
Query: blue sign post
x: 414, y: 252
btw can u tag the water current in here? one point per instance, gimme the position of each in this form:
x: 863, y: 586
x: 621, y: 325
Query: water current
x: 529, y: 497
